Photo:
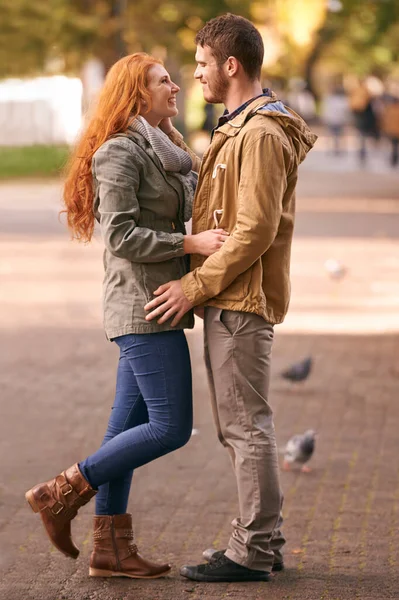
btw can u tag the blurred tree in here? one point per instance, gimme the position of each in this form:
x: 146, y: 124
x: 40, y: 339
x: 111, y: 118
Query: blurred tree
x: 288, y: 28
x: 59, y: 35
x: 33, y: 35
x: 360, y: 36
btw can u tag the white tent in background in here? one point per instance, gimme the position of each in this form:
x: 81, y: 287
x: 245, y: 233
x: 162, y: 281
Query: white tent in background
x: 45, y: 110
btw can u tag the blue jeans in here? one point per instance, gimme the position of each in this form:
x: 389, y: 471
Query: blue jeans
x: 151, y: 416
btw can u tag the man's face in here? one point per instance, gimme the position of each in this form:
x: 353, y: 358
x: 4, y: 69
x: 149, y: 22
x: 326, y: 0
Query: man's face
x: 214, y: 81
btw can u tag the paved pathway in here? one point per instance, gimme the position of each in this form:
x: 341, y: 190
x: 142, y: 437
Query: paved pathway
x: 57, y: 381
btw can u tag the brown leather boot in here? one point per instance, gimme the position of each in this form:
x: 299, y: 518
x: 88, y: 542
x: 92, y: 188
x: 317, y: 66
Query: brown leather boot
x: 58, y: 501
x: 115, y: 554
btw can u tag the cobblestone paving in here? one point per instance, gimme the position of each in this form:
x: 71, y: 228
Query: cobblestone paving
x: 57, y: 382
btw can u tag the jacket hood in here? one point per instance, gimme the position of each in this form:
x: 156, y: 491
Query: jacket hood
x: 301, y: 137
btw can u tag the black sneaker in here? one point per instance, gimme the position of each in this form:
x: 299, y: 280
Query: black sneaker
x: 211, y: 554
x: 223, y: 569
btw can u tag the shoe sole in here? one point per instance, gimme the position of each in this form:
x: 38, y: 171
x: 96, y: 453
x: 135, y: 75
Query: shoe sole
x: 105, y: 573
x: 35, y: 507
x: 205, y: 578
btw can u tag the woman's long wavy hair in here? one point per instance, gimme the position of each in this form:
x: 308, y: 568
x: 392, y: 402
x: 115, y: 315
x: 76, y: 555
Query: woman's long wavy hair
x: 119, y: 102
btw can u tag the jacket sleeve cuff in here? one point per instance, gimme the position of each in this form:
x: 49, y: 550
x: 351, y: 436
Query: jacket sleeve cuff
x: 178, y: 244
x: 191, y: 290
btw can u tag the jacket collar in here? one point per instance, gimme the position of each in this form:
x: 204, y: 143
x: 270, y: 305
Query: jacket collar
x: 234, y: 126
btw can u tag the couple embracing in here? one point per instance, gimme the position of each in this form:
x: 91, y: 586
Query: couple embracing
x: 132, y: 172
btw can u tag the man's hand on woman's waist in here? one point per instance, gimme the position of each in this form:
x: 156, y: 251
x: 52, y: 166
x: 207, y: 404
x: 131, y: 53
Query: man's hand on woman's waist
x: 170, y: 301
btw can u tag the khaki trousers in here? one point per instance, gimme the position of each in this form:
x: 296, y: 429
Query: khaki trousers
x: 237, y: 356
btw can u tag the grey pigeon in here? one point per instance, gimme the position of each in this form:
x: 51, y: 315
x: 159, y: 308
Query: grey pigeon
x: 335, y: 269
x: 299, y: 450
x: 298, y: 371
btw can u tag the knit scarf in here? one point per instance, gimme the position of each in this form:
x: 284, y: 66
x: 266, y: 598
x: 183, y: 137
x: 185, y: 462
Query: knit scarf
x: 176, y: 161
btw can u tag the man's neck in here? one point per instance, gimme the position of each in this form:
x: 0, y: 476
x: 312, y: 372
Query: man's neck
x: 240, y: 93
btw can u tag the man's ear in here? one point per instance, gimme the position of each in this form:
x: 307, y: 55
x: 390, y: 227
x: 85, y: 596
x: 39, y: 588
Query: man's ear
x: 232, y: 66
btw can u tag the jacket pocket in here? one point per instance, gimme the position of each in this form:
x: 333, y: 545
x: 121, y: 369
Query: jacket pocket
x: 155, y: 274
x: 230, y: 320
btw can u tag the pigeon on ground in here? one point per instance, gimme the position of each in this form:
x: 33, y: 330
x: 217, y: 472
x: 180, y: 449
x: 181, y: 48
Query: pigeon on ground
x: 298, y: 371
x: 335, y: 269
x: 299, y: 449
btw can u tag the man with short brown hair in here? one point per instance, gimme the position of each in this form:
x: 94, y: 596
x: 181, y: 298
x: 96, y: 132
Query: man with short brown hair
x: 247, y: 186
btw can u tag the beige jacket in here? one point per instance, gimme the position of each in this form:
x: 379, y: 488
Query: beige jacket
x: 247, y: 186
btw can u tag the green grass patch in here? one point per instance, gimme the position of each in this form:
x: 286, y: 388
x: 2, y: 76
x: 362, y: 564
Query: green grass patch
x: 32, y: 161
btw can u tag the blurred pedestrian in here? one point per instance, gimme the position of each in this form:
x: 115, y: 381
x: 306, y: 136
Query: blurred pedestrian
x: 301, y: 99
x: 247, y: 185
x: 210, y: 118
x: 137, y: 182
x: 362, y: 104
x: 336, y: 115
x: 390, y: 119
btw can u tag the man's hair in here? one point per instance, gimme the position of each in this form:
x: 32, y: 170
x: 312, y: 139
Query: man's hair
x: 231, y: 35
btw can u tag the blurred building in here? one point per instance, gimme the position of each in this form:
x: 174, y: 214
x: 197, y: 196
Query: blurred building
x: 44, y: 110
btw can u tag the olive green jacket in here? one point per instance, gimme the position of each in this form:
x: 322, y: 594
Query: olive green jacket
x: 140, y: 210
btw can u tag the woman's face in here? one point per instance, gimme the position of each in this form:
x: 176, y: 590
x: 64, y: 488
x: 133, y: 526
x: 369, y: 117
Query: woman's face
x: 163, y: 96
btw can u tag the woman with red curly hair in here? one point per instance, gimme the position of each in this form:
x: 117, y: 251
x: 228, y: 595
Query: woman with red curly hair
x: 132, y: 173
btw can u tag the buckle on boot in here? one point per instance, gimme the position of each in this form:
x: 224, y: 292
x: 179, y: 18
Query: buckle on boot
x: 59, y: 508
x: 68, y: 490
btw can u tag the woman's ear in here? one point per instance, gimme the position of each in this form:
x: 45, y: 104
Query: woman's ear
x: 143, y: 106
